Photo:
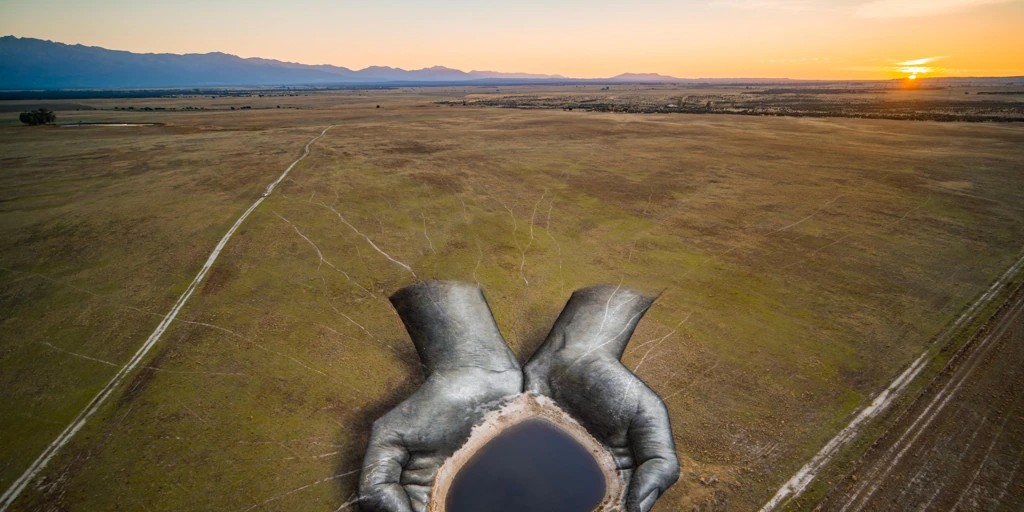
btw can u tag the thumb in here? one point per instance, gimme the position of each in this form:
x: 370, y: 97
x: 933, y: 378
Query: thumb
x: 380, y: 489
x: 648, y: 503
x: 650, y: 436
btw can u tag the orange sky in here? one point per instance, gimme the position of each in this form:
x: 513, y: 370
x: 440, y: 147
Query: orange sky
x: 826, y: 39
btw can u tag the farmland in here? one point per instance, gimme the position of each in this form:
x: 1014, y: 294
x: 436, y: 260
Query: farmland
x: 803, y: 262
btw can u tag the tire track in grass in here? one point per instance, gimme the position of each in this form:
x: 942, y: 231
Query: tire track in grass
x: 963, y: 371
x: 803, y: 478
x: 12, y: 493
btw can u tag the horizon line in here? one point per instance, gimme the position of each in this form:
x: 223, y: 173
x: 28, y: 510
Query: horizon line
x: 656, y: 77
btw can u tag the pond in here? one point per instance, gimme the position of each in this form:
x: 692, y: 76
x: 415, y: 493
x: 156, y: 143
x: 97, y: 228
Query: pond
x: 533, y: 465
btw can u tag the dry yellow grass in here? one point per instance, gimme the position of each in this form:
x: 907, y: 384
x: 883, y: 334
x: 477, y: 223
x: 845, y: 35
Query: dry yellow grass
x: 803, y: 262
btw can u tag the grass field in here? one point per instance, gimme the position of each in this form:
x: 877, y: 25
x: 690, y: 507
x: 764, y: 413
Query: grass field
x: 802, y: 263
x: 1000, y: 100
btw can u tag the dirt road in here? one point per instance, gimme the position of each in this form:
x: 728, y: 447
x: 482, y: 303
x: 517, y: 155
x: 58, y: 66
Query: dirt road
x: 961, y: 444
x: 881, y: 402
x: 94, y: 405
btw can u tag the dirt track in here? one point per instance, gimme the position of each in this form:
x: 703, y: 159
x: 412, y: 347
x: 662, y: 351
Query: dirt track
x: 11, y: 494
x: 960, y: 446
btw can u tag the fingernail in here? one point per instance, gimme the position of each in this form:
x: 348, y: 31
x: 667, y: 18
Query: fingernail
x: 648, y: 503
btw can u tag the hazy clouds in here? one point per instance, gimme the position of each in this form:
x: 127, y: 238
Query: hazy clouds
x: 579, y: 38
x: 911, y: 8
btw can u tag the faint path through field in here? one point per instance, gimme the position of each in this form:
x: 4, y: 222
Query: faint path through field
x: 799, y: 482
x: 944, y: 458
x: 18, y: 486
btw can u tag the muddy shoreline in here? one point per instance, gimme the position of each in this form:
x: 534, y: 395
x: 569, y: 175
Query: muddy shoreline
x: 525, y: 407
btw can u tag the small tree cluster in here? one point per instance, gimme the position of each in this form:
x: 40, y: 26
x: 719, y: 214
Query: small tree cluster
x: 37, y: 117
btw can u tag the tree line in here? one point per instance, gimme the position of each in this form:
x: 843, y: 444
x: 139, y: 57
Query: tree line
x: 38, y: 117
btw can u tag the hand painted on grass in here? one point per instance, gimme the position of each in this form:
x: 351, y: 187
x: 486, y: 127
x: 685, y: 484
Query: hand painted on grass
x: 470, y: 371
x: 578, y: 366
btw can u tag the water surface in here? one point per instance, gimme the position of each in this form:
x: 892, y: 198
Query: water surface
x: 532, y: 466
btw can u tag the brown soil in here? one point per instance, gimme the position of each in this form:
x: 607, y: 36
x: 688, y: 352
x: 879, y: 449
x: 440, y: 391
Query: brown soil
x: 959, y: 447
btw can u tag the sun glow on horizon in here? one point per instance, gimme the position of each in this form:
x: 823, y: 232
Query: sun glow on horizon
x: 915, y: 67
x: 798, y: 39
x: 916, y: 70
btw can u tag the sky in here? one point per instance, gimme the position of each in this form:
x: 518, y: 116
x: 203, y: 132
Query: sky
x: 804, y: 39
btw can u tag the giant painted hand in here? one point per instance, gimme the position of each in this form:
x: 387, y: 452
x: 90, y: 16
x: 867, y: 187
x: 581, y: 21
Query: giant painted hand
x: 469, y: 371
x: 578, y: 366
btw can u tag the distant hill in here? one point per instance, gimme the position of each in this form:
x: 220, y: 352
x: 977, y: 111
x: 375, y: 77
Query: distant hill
x: 508, y: 76
x: 27, y: 63
x: 642, y: 77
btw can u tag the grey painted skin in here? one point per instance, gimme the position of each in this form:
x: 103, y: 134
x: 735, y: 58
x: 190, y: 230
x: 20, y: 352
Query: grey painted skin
x: 578, y: 366
x: 471, y: 371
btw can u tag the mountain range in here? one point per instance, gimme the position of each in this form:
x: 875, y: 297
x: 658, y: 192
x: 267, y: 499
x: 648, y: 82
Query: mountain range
x: 27, y: 63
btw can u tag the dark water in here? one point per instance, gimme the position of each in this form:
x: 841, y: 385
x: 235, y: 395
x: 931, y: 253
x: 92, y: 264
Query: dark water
x: 533, y: 466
